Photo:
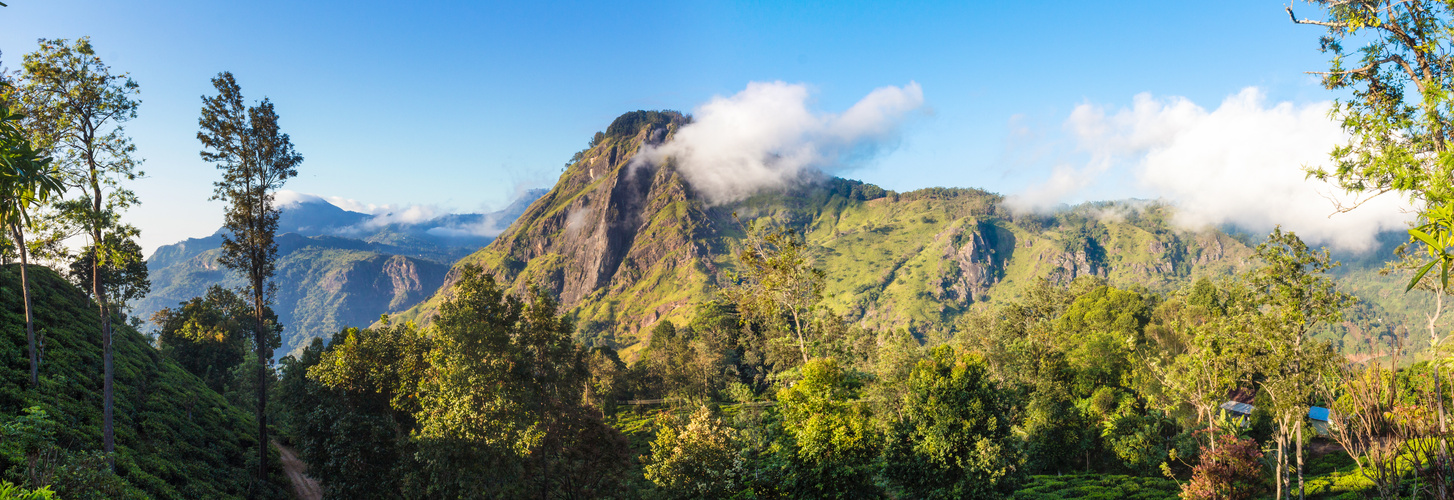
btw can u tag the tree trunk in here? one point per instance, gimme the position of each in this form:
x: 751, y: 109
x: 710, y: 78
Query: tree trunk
x: 1443, y: 434
x: 25, y: 294
x: 108, y: 431
x: 262, y: 383
x: 1281, y: 459
x: 802, y: 346
x: 1300, y: 490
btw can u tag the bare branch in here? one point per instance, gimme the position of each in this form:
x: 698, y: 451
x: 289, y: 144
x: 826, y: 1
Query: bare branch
x: 1370, y: 66
x: 1339, y: 207
x: 1294, y: 18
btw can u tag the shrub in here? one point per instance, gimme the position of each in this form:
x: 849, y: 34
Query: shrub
x: 12, y: 492
x: 1234, y: 471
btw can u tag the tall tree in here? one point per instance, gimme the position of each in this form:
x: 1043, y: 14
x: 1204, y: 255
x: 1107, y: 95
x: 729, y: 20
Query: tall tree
x: 776, y: 284
x: 1290, y: 296
x: 1197, y: 355
x: 255, y: 158
x: 27, y: 180
x: 1399, y: 141
x: 77, y: 108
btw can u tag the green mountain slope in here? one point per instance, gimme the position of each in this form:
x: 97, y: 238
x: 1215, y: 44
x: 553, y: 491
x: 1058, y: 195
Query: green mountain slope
x: 175, y: 438
x: 325, y: 284
x: 336, y: 268
x: 626, y: 244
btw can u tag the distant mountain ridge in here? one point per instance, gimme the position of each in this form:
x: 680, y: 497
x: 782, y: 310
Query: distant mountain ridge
x: 625, y: 244
x: 336, y: 268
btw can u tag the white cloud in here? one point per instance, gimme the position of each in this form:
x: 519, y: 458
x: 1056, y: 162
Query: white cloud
x: 382, y: 215
x: 491, y: 224
x: 286, y: 197
x: 766, y: 137
x: 1241, y: 163
x: 408, y: 214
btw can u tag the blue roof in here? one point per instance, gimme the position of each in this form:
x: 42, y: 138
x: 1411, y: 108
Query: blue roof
x: 1318, y: 413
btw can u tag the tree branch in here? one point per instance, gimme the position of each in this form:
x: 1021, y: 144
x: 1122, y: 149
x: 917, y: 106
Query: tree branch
x: 1339, y: 207
x: 1294, y: 18
x: 1370, y: 66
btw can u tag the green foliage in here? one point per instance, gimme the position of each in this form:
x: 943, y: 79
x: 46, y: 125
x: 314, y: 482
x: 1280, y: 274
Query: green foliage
x: 1397, y: 111
x: 175, y: 438
x: 829, y: 441
x: 352, y: 440
x: 489, y: 400
x: 776, y: 285
x: 28, y: 178
x: 953, y: 438
x: 207, y: 336
x: 1143, y: 439
x: 124, y: 276
x: 692, y: 363
x: 630, y: 123
x: 1287, y: 298
x: 10, y: 491
x: 1103, y: 327
x: 695, y: 458
x: 1100, y: 487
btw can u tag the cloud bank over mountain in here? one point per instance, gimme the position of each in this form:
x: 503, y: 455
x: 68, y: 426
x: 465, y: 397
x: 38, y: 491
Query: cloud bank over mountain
x: 1241, y: 163
x: 767, y: 137
x: 357, y: 219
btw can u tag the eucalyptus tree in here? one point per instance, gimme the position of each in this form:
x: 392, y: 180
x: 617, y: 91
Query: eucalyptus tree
x: 255, y: 158
x: 77, y: 109
x: 27, y: 179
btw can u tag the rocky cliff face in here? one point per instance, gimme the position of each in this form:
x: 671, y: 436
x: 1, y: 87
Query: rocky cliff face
x: 971, y: 264
x: 608, y: 226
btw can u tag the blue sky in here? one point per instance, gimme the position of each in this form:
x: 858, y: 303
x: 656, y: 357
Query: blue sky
x: 458, y: 104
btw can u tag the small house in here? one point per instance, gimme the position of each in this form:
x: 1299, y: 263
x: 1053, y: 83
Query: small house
x: 1318, y: 419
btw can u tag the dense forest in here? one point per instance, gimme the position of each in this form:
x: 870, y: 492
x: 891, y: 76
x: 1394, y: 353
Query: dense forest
x: 766, y: 395
x: 626, y: 337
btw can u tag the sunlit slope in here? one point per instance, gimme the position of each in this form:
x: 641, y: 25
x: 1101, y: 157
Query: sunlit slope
x: 923, y: 258
x: 626, y: 244
x: 622, y: 244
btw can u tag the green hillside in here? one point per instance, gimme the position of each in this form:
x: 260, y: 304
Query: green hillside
x: 325, y: 284
x: 175, y: 438
x: 625, y: 244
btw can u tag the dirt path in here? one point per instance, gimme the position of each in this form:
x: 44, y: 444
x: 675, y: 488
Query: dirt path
x: 306, y: 488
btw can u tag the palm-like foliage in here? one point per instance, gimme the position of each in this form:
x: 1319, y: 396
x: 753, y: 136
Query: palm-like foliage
x: 27, y: 180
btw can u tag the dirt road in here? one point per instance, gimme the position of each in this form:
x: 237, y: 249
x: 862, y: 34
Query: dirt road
x: 306, y: 488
